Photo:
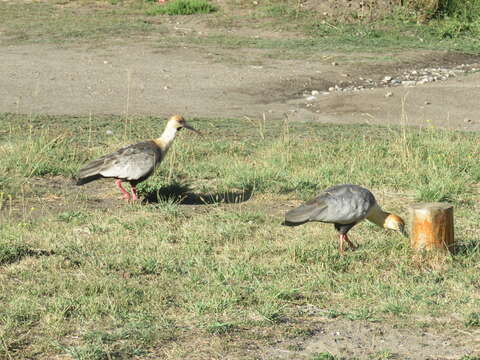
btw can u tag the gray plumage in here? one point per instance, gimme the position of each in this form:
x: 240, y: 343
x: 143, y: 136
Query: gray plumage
x: 133, y: 163
x: 340, y: 204
x: 344, y: 206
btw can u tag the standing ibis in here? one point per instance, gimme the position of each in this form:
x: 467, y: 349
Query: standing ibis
x: 344, y: 206
x: 133, y: 163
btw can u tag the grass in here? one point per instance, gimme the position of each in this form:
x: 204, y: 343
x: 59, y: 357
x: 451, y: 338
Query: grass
x: 305, y: 31
x: 183, y: 7
x: 206, y: 266
x: 47, y: 22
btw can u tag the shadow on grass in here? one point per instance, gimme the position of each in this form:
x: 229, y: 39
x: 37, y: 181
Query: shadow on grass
x: 11, y: 253
x: 183, y: 195
x: 463, y: 248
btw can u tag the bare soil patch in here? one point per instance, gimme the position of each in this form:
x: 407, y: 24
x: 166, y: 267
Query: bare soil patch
x: 369, y: 340
x: 138, y: 79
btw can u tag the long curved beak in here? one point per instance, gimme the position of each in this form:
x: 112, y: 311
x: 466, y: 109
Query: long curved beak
x: 187, y: 126
x: 403, y: 231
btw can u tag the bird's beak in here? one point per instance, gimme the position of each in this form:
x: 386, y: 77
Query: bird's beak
x: 187, y: 126
x: 402, y: 231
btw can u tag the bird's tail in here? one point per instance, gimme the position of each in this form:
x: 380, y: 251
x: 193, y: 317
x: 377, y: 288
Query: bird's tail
x: 86, y: 180
x: 90, y: 172
x: 288, y: 223
x: 300, y: 215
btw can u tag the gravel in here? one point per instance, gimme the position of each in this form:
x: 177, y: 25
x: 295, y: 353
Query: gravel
x: 408, y: 78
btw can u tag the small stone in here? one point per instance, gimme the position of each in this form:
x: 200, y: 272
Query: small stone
x: 311, y: 98
x: 427, y: 102
x: 105, y: 62
x: 387, y: 78
x: 467, y: 120
x: 334, y: 63
x: 409, y: 83
x: 109, y: 132
x: 388, y: 94
x: 315, y: 92
x: 331, y: 88
x: 166, y: 87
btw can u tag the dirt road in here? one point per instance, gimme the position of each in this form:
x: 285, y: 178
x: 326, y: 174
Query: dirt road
x: 140, y: 79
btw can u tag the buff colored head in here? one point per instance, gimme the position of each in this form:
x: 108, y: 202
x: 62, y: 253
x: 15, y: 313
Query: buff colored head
x: 394, y: 222
x: 178, y: 122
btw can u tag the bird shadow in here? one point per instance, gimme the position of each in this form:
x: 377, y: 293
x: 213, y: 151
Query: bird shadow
x: 19, y: 253
x: 182, y: 194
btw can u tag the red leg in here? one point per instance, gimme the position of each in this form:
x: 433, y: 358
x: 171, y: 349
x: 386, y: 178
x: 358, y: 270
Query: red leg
x: 134, y: 193
x: 125, y: 193
x: 340, y: 244
x: 352, y: 245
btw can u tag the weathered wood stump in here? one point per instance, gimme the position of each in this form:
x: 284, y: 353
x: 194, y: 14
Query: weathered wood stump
x: 432, y: 226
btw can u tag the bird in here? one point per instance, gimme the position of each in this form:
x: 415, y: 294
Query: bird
x: 344, y: 206
x: 133, y: 163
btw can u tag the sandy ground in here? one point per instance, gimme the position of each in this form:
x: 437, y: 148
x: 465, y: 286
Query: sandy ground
x: 139, y: 79
x: 143, y: 80
x: 367, y: 340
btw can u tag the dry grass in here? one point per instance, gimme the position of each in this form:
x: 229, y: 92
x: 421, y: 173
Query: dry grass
x: 205, y: 267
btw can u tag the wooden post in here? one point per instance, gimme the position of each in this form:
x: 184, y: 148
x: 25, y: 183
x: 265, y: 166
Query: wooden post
x: 432, y: 226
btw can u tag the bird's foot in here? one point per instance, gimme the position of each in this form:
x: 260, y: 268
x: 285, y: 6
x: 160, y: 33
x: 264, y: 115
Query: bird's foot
x: 126, y: 197
x: 126, y: 194
x: 341, y: 244
x: 135, y: 195
x: 341, y: 248
x: 351, y: 244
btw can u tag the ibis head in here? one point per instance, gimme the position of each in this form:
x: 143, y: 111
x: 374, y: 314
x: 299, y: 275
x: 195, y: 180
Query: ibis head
x: 178, y: 122
x: 394, y: 222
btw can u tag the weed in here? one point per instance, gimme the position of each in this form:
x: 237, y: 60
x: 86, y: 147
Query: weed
x: 473, y: 319
x: 323, y: 356
x: 11, y: 252
x: 183, y: 7
x: 219, y: 328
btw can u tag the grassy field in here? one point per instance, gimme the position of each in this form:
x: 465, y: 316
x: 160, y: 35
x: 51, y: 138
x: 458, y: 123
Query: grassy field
x: 70, y: 23
x: 204, y: 268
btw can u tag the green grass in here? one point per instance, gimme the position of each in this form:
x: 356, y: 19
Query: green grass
x: 183, y: 7
x: 305, y: 31
x: 85, y: 275
x: 49, y: 23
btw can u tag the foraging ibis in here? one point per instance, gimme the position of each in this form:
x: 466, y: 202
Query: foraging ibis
x: 133, y: 163
x: 344, y: 206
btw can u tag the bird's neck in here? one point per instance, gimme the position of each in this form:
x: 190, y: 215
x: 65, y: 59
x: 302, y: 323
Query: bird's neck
x: 166, y: 139
x: 378, y: 216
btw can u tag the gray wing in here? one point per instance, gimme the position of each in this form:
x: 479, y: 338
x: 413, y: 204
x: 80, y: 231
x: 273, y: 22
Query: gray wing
x: 132, y: 162
x: 342, y: 204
